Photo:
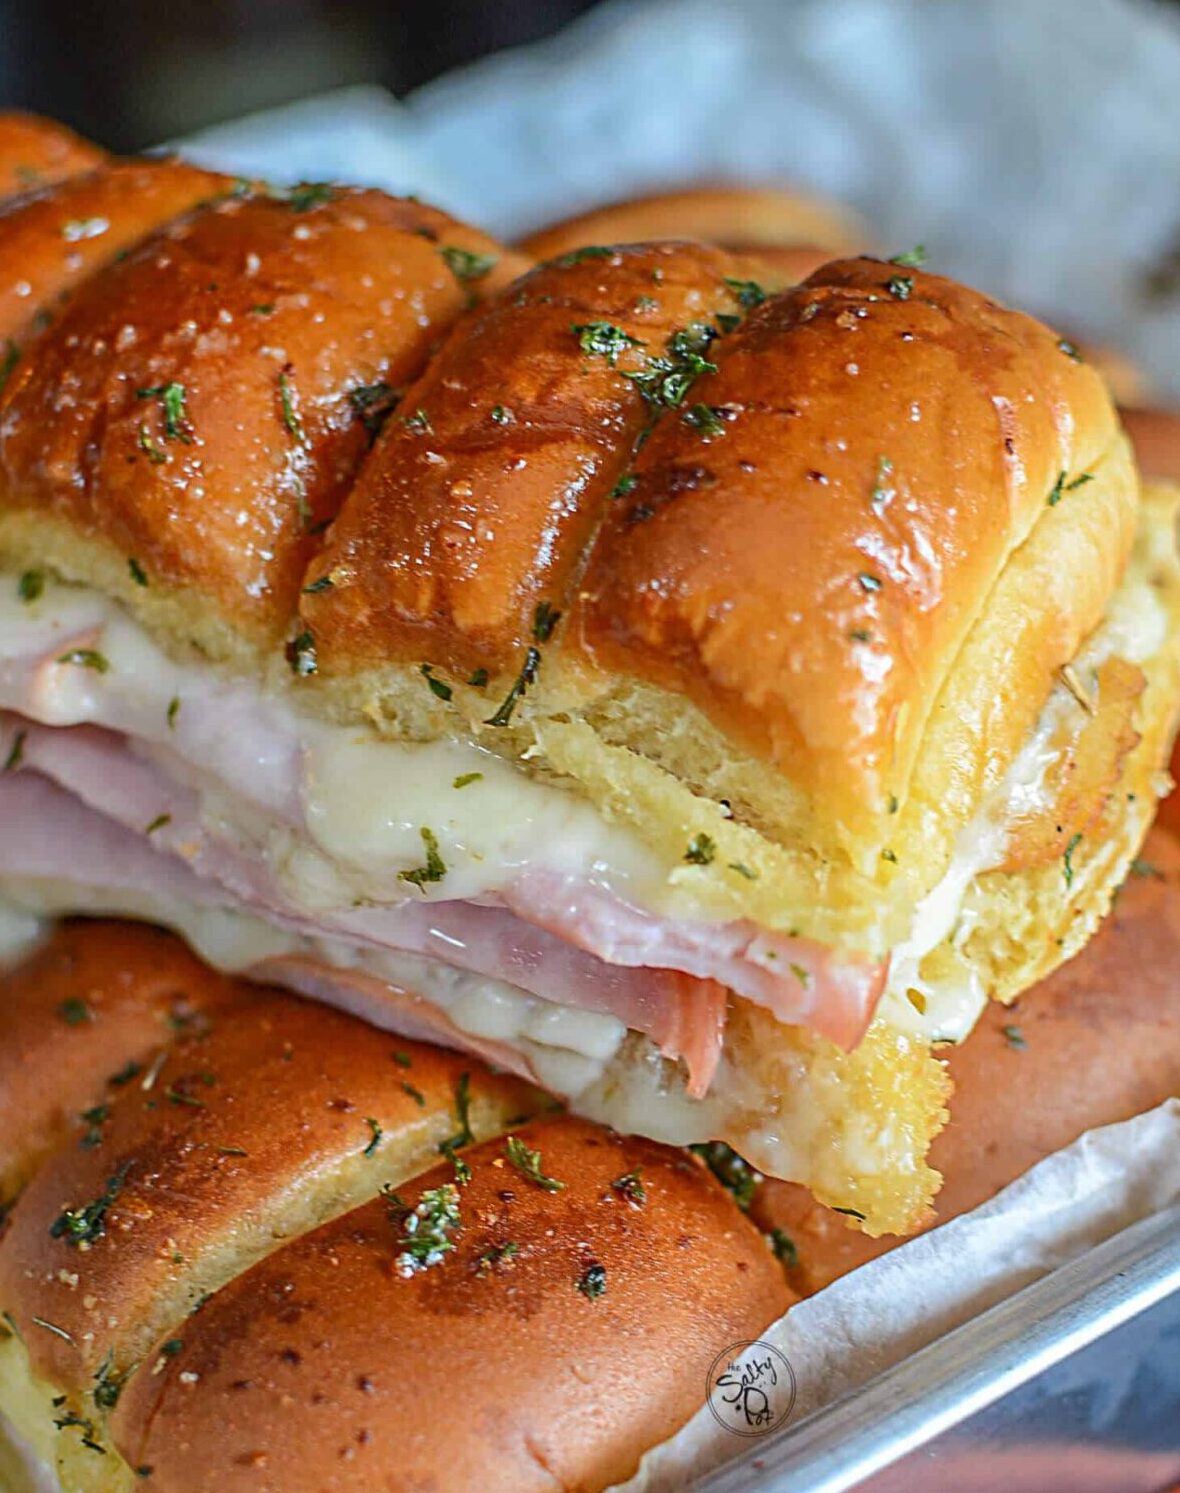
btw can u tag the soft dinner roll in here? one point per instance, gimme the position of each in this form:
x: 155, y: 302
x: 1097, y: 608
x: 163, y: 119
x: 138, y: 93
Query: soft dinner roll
x: 695, y: 698
x: 1095, y: 1043
x: 37, y: 152
x: 768, y: 224
x: 570, y: 1286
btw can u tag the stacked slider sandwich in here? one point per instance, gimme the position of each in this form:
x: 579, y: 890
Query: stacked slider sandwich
x: 695, y: 696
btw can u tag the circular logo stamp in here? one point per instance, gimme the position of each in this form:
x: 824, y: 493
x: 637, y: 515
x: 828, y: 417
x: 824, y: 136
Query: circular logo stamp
x: 751, y: 1389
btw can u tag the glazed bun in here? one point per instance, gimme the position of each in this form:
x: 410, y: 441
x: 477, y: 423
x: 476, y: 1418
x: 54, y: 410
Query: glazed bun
x: 1095, y: 1043
x: 786, y: 229
x: 37, y: 152
x: 241, y: 1187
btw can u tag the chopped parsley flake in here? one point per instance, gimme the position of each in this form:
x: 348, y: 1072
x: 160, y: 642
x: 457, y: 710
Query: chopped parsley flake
x: 603, y: 339
x: 1015, y: 1038
x: 173, y: 711
x: 495, y: 1256
x: 913, y: 258
x: 85, y: 658
x: 1067, y: 859
x: 707, y: 419
x: 630, y: 1186
x: 850, y: 1213
x: 801, y: 974
x: 576, y: 256
x: 466, y: 778
x: 108, y: 1385
x: 784, y: 1248
x: 290, y: 414
x: 593, y: 1282
x: 527, y: 677
x: 418, y: 422
x: 438, y: 687
x: 701, y: 850
x: 309, y: 194
x: 177, y: 425
x: 500, y: 415
x: 545, y: 619
x: 665, y: 381
x: 743, y: 870
x: 75, y: 1012
x: 301, y: 654
x: 434, y: 869
x: 30, y: 586
x: 416, y: 1095
x: 528, y: 1163
x: 463, y: 1136
x: 426, y: 1229
x: 730, y: 1170
x: 158, y: 823
x: 466, y: 266
x: 748, y: 292
x: 16, y: 752
x: 376, y: 1136
x: 138, y: 574
x: 626, y: 484
x: 900, y: 286
x: 82, y: 1227
x: 373, y: 404
x: 325, y: 583
x: 478, y: 679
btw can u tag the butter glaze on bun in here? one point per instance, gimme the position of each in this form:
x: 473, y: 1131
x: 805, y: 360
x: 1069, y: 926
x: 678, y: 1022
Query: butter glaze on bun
x: 37, y: 152
x: 1095, y: 1043
x: 551, y: 1301
x: 236, y: 1209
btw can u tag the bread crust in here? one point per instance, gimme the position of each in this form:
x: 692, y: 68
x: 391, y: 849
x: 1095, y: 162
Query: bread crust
x: 1096, y: 1042
x: 36, y: 152
x: 604, y: 1302
x: 748, y: 219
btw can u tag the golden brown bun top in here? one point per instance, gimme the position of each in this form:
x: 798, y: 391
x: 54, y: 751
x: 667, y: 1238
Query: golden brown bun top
x: 800, y: 546
x: 51, y: 241
x: 324, y: 1367
x: 1095, y: 1043
x: 257, y: 1120
x: 482, y: 495
x: 36, y: 152
x: 79, y: 1019
x: 744, y: 218
x: 1155, y: 434
x: 221, y: 380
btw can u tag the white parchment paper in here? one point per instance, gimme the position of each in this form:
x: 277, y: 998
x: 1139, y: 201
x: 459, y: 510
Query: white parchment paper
x: 894, y: 1305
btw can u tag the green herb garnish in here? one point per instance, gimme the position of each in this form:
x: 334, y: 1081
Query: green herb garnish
x: 784, y: 1248
x: 730, y: 1170
x: 466, y: 266
x: 75, y: 1012
x: 701, y: 850
x: 1015, y: 1038
x: 301, y: 654
x: 528, y: 1163
x: 82, y: 1227
x: 466, y: 778
x: 290, y: 415
x: 603, y: 339
x: 1067, y: 859
x: 630, y: 1186
x: 434, y: 869
x: 177, y: 425
x: 707, y: 419
x: 16, y: 753
x: 309, y: 194
x: 377, y: 1135
x: 592, y: 1283
x: 138, y: 574
x: 748, y: 292
x: 30, y: 586
x: 900, y: 286
x: 426, y: 1229
x: 85, y: 658
x: 913, y: 258
x: 438, y: 687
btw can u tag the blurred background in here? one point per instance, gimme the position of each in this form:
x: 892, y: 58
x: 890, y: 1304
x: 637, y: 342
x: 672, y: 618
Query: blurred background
x: 135, y: 72
x: 1032, y: 145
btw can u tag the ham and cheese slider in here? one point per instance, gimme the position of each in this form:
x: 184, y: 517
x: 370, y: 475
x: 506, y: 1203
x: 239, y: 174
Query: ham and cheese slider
x: 706, y: 696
